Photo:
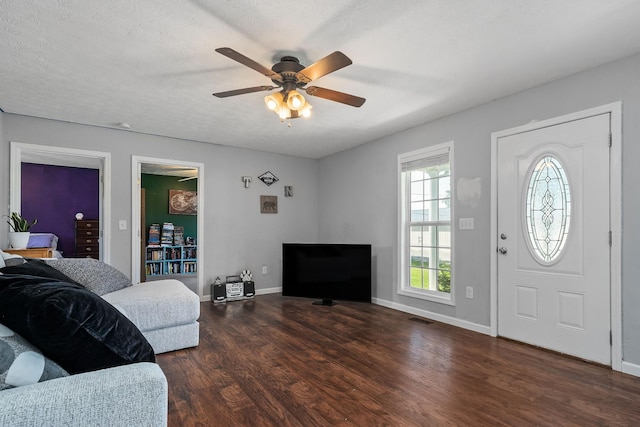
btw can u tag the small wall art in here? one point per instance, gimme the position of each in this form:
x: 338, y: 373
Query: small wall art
x: 268, y: 178
x: 183, y: 202
x: 288, y: 191
x: 269, y: 204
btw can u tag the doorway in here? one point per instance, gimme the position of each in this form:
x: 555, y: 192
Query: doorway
x: 66, y: 157
x: 190, y: 252
x: 553, y: 218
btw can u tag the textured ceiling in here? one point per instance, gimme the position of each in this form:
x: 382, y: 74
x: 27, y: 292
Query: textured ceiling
x: 152, y: 64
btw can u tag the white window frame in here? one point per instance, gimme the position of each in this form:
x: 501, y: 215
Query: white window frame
x: 404, y: 220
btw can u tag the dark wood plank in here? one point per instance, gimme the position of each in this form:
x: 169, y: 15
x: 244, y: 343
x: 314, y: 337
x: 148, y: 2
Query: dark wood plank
x: 281, y: 361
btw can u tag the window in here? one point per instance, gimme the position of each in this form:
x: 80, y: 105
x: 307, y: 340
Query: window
x: 548, y: 209
x: 425, y: 223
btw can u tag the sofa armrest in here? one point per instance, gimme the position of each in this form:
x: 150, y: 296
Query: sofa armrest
x: 130, y: 395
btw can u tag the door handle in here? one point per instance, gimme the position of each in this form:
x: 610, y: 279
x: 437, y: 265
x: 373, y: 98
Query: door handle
x: 502, y: 250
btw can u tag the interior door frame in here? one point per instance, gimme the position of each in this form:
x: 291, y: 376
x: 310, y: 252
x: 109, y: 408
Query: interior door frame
x: 79, y: 158
x: 136, y: 232
x: 615, y: 207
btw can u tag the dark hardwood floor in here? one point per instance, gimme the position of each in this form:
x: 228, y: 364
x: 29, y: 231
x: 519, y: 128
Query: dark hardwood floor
x: 280, y: 361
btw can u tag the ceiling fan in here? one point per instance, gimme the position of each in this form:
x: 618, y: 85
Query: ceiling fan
x: 289, y: 76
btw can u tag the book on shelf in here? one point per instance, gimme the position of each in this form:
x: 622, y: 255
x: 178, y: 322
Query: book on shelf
x: 178, y: 235
x: 173, y: 253
x: 189, y: 267
x: 154, y: 254
x: 154, y: 235
x: 173, y: 268
x: 154, y: 269
x: 167, y: 234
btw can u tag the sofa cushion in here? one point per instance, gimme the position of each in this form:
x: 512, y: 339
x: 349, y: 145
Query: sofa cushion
x: 36, y: 267
x: 157, y: 304
x: 70, y: 324
x: 95, y: 275
x: 21, y: 363
x: 7, y: 259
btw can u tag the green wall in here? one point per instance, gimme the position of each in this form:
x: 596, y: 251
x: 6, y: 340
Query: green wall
x: 157, y: 202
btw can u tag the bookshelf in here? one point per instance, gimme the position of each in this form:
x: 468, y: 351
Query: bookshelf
x: 165, y: 260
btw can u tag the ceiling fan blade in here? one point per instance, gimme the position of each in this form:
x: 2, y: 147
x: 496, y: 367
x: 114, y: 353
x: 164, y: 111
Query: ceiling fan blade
x: 243, y: 91
x: 236, y: 56
x: 334, y: 95
x: 326, y: 65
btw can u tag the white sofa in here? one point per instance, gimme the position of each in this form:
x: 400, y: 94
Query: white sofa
x: 129, y: 395
x: 165, y: 311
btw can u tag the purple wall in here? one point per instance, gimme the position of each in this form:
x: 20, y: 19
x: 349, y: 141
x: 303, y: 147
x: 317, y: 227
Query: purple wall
x: 54, y: 194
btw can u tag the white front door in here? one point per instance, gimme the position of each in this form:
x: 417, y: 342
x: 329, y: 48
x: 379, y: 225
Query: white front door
x: 554, y: 238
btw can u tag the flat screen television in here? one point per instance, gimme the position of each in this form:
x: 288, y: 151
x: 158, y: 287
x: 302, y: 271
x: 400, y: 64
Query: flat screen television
x: 327, y: 271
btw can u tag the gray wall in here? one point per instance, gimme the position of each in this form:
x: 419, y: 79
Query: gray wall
x: 358, y: 194
x: 236, y: 235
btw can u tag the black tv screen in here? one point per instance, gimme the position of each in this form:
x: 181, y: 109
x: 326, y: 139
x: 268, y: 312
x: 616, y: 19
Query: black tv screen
x: 327, y: 271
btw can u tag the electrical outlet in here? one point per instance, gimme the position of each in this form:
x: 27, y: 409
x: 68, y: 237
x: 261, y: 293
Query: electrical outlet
x: 469, y: 292
x: 122, y: 224
x: 265, y: 269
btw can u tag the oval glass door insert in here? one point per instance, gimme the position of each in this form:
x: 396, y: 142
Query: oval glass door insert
x: 548, y: 209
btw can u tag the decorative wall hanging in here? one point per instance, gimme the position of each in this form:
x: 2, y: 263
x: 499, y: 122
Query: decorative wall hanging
x: 183, y: 202
x: 268, y: 178
x: 269, y: 204
x: 288, y: 191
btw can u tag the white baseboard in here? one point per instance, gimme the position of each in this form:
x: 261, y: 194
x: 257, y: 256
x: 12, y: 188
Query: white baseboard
x: 268, y: 291
x: 434, y: 316
x: 631, y: 368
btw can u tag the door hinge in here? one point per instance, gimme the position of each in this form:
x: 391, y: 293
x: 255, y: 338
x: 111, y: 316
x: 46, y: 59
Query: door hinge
x: 610, y: 238
x: 610, y: 139
x: 610, y: 338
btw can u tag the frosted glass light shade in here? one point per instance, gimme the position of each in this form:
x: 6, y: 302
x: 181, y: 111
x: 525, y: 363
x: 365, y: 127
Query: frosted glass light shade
x: 273, y: 101
x: 306, y: 110
x: 284, y: 112
x: 295, y: 101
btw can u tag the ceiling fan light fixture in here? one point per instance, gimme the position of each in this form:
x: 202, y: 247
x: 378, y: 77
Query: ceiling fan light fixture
x: 274, y: 101
x: 283, y: 112
x: 295, y: 101
x: 289, y: 75
x: 305, y: 111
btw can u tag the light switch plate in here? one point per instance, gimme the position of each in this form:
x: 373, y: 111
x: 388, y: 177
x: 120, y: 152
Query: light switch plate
x: 465, y: 223
x: 122, y: 224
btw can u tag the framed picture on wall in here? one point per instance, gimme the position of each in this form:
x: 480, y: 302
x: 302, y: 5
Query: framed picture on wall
x: 269, y: 204
x: 183, y: 202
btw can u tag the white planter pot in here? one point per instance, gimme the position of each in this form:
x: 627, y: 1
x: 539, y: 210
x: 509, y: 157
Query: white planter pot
x: 19, y: 239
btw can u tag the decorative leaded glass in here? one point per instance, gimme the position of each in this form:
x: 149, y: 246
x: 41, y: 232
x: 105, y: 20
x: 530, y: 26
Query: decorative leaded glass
x: 548, y: 209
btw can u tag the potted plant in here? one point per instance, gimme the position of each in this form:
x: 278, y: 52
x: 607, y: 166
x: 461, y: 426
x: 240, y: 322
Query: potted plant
x: 19, y: 236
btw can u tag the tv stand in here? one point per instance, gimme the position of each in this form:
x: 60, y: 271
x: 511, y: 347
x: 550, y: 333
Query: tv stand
x: 325, y: 301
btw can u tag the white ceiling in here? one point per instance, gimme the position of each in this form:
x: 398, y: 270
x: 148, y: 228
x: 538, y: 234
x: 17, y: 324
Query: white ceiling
x: 152, y: 64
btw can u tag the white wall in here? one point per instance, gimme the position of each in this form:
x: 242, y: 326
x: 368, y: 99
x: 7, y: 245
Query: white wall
x: 358, y: 188
x: 236, y: 235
